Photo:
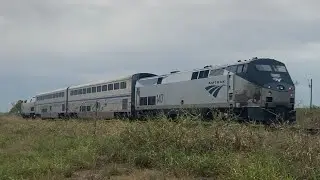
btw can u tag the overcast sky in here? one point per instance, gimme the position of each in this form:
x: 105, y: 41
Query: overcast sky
x: 49, y: 44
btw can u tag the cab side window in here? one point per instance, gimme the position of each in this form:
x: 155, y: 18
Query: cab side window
x: 194, y: 75
x: 203, y: 74
x: 232, y: 68
x: 242, y: 68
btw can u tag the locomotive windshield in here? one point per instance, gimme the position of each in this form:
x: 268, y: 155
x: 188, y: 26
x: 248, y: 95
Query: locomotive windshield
x: 263, y: 67
x: 271, y: 68
x: 280, y: 68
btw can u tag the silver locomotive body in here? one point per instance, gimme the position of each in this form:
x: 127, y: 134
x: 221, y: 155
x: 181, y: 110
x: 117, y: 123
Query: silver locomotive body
x: 259, y: 90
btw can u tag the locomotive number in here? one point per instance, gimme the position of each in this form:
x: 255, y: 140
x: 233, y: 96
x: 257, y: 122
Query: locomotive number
x: 160, y: 98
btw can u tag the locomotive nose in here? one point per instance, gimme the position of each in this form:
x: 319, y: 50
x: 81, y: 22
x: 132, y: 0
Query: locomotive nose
x: 278, y: 94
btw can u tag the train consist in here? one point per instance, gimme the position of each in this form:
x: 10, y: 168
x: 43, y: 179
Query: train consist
x: 259, y: 89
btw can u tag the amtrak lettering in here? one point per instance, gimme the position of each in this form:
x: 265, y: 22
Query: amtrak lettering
x: 217, y: 82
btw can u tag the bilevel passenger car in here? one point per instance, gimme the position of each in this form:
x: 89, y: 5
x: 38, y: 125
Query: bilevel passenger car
x: 28, y: 108
x: 259, y: 89
x: 104, y: 99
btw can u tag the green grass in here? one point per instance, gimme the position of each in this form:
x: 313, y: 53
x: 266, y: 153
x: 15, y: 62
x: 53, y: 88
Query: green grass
x: 157, y: 149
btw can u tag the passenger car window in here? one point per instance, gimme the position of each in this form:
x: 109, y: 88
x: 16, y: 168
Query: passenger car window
x: 123, y: 85
x: 116, y: 86
x: 94, y: 89
x: 104, y: 88
x: 110, y: 87
x: 98, y: 88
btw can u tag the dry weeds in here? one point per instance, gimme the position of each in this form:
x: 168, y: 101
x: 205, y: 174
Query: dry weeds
x: 157, y: 149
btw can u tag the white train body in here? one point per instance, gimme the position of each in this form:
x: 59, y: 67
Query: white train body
x: 257, y: 89
x: 103, y: 99
x: 51, y: 104
x: 28, y: 108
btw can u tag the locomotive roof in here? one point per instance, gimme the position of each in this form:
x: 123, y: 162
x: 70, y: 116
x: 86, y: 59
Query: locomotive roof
x: 211, y: 67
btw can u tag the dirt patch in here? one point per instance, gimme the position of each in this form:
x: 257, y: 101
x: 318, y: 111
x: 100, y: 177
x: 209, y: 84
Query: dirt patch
x: 123, y: 172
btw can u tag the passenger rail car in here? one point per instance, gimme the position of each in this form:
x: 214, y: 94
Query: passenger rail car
x: 28, y: 108
x: 103, y: 99
x: 259, y: 89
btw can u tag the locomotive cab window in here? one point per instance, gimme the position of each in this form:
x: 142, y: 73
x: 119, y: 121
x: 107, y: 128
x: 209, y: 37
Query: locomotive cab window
x: 263, y: 67
x: 242, y: 68
x: 232, y: 69
x: 203, y: 74
x: 194, y: 75
x: 279, y: 68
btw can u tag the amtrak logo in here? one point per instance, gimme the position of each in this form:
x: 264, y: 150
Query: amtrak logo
x: 276, y: 77
x: 214, y: 89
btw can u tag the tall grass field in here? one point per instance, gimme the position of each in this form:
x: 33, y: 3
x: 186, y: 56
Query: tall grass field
x: 157, y: 149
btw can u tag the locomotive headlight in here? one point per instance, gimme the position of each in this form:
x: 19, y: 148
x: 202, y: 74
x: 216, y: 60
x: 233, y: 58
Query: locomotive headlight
x: 270, y: 93
x: 291, y: 94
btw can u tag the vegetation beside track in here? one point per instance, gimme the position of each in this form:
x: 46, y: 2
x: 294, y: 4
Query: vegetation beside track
x: 157, y: 149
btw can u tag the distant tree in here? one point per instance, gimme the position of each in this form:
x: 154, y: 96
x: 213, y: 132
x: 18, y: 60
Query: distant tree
x: 16, y: 108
